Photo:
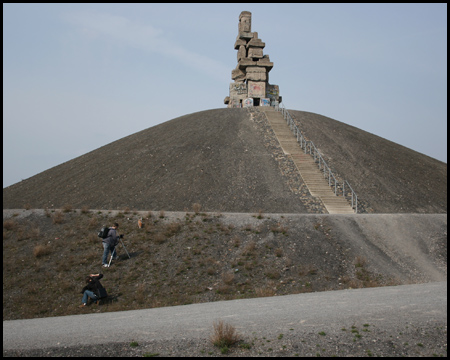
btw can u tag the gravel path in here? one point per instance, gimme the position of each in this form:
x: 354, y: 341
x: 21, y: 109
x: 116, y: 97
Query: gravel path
x: 408, y: 320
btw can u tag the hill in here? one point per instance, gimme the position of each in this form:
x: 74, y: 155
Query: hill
x: 229, y: 160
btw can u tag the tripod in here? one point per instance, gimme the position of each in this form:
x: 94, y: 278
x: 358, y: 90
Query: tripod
x: 114, y: 251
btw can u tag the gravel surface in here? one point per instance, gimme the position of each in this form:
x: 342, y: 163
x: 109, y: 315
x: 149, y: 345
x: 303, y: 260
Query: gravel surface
x: 406, y: 320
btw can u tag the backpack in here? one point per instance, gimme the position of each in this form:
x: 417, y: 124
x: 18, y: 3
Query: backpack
x: 101, y: 292
x: 103, y: 233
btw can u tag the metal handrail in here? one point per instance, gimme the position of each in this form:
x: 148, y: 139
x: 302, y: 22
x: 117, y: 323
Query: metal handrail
x: 318, y: 157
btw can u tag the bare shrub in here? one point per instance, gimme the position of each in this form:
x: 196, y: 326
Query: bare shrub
x: 84, y: 210
x: 265, y: 291
x: 249, y: 248
x: 224, y: 289
x: 93, y: 223
x: 67, y: 208
x: 278, y: 228
x: 9, y: 225
x: 58, y: 217
x: 279, y: 252
x: 161, y: 214
x: 224, y: 334
x: 159, y: 238
x: 196, y: 207
x: 148, y: 226
x: 93, y: 238
x: 41, y: 250
x: 307, y: 269
x: 273, y: 274
x: 236, y: 241
x: 172, y: 229
x: 140, y: 294
x: 27, y: 206
x: 35, y: 233
x: 360, y: 261
x: 228, y: 278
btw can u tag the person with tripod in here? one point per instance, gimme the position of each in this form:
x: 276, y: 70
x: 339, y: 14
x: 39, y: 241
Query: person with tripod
x: 109, y: 244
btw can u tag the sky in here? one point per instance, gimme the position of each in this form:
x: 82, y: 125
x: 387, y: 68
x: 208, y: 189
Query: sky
x: 80, y: 76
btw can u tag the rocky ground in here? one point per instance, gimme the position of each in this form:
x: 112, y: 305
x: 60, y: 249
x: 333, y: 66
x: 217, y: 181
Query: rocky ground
x: 229, y: 160
x: 354, y: 340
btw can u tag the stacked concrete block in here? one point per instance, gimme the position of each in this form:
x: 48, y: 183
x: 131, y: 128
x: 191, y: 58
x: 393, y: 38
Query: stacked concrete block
x: 251, y: 75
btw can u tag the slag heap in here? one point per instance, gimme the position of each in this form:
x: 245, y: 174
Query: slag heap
x: 251, y: 76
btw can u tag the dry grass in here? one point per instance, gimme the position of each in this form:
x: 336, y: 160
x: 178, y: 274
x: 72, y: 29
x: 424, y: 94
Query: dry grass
x: 9, y: 225
x: 249, y: 249
x: 173, y: 262
x: 58, y: 217
x: 224, y: 334
x: 265, y: 291
x: 41, y: 250
x: 228, y: 278
x: 67, y: 208
x: 196, y: 207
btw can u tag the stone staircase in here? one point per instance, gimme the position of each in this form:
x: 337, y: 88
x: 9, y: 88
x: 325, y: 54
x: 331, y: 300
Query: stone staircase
x: 308, y: 169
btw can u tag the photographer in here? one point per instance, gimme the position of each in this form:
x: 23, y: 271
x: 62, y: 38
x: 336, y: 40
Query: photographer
x: 109, y: 244
x: 93, y: 289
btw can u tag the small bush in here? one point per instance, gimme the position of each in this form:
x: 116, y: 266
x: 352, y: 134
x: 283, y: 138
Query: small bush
x: 159, y: 238
x: 228, y: 278
x: 249, y: 248
x: 196, y: 207
x: 236, y: 241
x: 260, y: 214
x: 9, y: 225
x: 35, y: 233
x: 360, y: 261
x: 58, y: 217
x: 93, y: 223
x: 224, y: 335
x: 67, y: 208
x: 41, y: 250
x: 265, y: 291
x: 172, y: 229
x: 273, y: 274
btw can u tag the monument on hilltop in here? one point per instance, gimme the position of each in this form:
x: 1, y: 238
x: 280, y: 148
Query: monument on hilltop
x: 251, y: 76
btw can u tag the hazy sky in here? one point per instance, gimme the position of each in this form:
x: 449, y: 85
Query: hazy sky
x: 79, y: 76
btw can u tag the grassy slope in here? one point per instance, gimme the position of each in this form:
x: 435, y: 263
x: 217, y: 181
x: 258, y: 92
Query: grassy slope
x: 190, y: 257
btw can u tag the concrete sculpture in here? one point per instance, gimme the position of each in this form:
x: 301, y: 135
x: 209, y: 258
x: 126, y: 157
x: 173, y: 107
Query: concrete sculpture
x: 251, y: 76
